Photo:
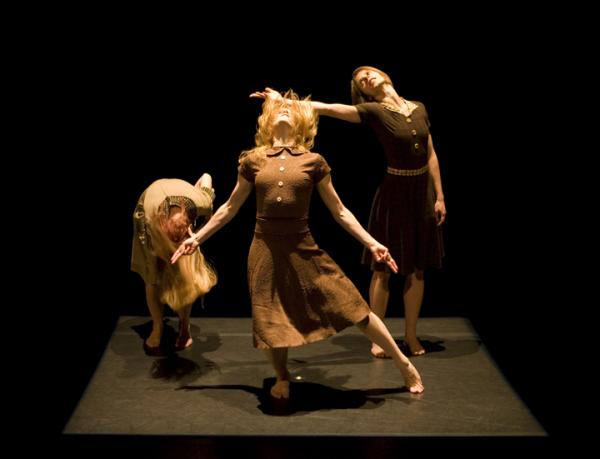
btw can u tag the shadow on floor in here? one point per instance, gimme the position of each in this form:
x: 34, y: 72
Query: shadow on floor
x: 167, y: 342
x: 307, y: 397
x: 435, y: 347
x: 184, y: 366
x: 429, y: 346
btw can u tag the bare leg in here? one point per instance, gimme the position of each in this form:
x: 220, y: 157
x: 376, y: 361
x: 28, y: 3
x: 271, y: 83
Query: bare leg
x: 379, y: 294
x: 156, y: 312
x: 204, y: 181
x: 278, y: 358
x: 414, y: 287
x: 377, y: 332
x: 184, y: 339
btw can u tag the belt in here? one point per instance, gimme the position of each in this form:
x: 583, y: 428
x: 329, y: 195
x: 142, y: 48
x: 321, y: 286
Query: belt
x: 407, y: 172
x: 281, y: 225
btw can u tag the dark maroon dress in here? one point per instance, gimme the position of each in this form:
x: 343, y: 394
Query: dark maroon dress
x: 402, y: 214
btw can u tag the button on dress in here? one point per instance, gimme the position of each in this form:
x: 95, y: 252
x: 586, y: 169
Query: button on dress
x: 298, y: 293
x: 402, y: 213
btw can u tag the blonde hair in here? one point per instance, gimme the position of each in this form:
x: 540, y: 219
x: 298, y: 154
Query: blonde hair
x: 358, y: 97
x: 304, y: 128
x: 182, y: 283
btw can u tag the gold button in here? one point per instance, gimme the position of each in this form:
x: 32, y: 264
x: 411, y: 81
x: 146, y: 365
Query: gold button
x: 279, y: 199
x: 413, y: 132
x: 280, y: 183
x: 408, y: 120
x: 282, y: 168
x: 416, y: 146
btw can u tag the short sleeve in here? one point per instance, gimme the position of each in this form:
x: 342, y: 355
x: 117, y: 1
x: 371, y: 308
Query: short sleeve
x: 366, y: 111
x: 425, y: 115
x: 210, y: 192
x: 204, y: 201
x: 247, y: 168
x: 321, y: 169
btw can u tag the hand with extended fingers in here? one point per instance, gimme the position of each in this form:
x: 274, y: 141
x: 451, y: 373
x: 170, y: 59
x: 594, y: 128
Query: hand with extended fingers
x: 187, y: 247
x: 381, y: 254
x: 268, y: 93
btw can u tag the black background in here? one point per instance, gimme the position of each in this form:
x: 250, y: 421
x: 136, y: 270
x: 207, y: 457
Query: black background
x: 126, y: 107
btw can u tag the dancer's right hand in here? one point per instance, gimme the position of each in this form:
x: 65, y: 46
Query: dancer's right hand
x: 187, y: 247
x: 267, y: 93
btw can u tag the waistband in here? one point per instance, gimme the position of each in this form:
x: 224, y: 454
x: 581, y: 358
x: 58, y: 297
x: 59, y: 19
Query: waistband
x: 407, y: 172
x: 281, y: 225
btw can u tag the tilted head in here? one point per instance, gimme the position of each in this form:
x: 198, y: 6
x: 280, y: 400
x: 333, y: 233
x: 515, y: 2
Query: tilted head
x: 295, y: 113
x: 366, y: 83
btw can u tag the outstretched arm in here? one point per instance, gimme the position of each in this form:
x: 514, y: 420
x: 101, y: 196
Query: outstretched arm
x: 339, y: 111
x: 349, y: 222
x: 434, y: 170
x: 219, y: 219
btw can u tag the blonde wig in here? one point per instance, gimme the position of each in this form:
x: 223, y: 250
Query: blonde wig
x: 357, y: 95
x: 304, y: 129
x: 182, y: 283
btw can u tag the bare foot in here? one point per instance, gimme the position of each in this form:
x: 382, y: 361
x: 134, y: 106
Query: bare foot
x: 378, y: 353
x: 414, y: 346
x: 281, y: 388
x: 412, y: 378
x: 184, y: 339
x: 153, y: 341
x: 183, y: 342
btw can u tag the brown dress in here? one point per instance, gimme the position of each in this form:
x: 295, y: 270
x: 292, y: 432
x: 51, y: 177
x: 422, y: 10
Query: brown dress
x: 402, y: 214
x: 164, y: 192
x: 298, y: 293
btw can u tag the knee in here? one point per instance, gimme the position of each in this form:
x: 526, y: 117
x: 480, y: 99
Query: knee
x: 381, y: 276
x: 416, y: 276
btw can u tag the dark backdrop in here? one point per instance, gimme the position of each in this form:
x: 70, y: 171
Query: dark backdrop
x: 141, y: 109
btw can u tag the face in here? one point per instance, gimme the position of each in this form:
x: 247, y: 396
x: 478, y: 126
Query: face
x: 284, y: 115
x: 369, y: 81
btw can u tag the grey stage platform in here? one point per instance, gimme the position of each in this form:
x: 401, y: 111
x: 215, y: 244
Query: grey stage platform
x: 220, y: 387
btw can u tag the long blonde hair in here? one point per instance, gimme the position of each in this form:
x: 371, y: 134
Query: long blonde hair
x: 304, y: 129
x: 358, y: 97
x: 182, y: 283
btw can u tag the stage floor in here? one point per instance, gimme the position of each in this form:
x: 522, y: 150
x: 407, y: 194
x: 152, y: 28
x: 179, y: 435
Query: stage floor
x: 220, y: 387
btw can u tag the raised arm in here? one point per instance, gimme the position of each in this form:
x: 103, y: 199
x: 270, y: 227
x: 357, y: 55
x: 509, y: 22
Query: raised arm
x: 220, y: 218
x: 339, y: 111
x: 434, y: 170
x: 349, y: 222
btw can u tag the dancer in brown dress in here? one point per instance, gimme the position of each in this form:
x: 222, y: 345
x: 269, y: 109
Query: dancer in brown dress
x: 408, y: 207
x: 299, y: 295
x: 166, y: 211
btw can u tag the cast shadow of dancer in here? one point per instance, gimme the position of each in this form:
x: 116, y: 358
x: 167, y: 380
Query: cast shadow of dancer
x: 308, y: 397
x: 169, y: 364
x: 430, y: 346
x: 452, y: 348
x: 167, y: 342
x: 356, y: 344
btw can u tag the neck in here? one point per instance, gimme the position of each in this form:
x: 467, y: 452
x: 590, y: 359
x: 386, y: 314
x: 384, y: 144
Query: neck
x: 391, y: 96
x: 282, y: 138
x: 384, y: 92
